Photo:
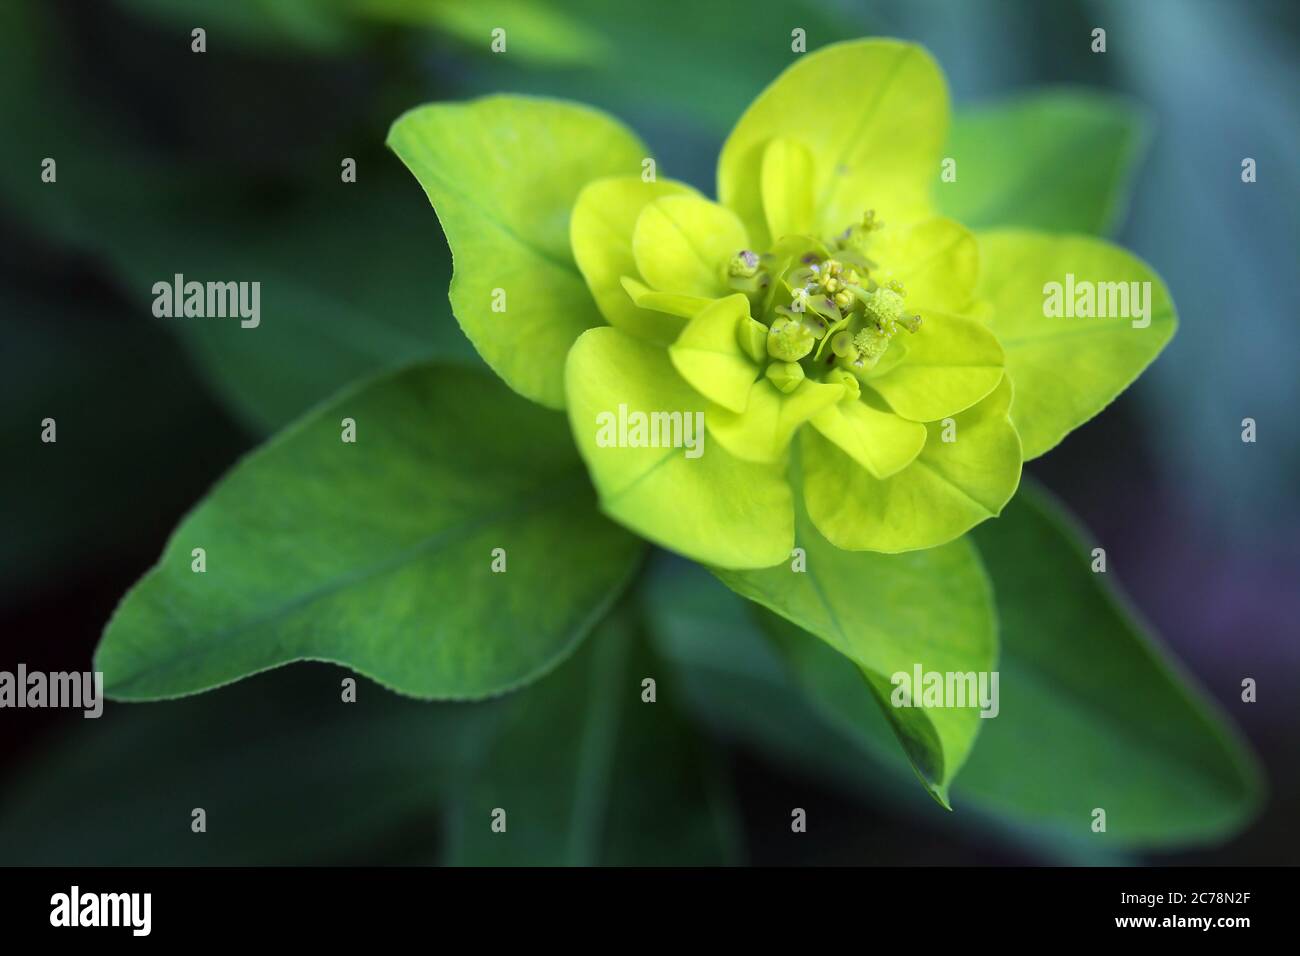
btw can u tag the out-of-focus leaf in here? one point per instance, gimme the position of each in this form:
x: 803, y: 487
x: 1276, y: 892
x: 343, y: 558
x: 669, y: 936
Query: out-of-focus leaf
x: 754, y: 677
x: 351, y: 277
x: 350, y: 283
x: 123, y: 400
x: 1093, y: 713
x: 287, y: 772
x: 321, y: 26
x: 588, y: 772
x: 538, y: 32
x: 663, y: 46
x: 1058, y: 160
x: 383, y: 554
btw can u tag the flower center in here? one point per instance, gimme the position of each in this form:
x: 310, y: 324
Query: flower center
x: 818, y: 305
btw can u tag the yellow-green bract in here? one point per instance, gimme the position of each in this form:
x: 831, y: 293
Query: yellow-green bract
x: 843, y: 342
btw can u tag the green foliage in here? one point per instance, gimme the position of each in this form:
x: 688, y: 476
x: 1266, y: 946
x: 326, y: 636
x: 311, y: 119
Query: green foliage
x: 380, y: 554
x: 888, y: 614
x: 1058, y: 160
x: 1092, y: 714
x: 288, y: 773
x: 591, y: 773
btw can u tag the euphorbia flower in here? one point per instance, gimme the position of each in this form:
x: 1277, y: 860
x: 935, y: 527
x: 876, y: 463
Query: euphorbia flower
x: 853, y: 353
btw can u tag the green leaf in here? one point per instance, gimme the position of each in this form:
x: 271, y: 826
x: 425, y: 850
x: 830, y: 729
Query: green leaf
x: 889, y: 614
x: 589, y: 773
x: 1058, y: 160
x: 287, y: 772
x: 1091, y: 707
x: 683, y: 244
x: 600, y: 232
x: 538, y: 32
x: 654, y: 52
x: 290, y: 774
x: 708, y: 355
x: 379, y: 554
x: 951, y: 363
x: 321, y: 27
x: 876, y: 148
x: 328, y: 312
x: 753, y: 677
x: 712, y: 506
x: 84, y: 362
x: 950, y: 487
x: 1092, y: 714
x: 1067, y: 369
x: 503, y: 173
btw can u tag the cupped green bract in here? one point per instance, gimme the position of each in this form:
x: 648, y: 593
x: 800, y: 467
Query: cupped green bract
x: 822, y: 296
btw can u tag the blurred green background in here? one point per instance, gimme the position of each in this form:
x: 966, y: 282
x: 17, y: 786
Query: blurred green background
x: 228, y: 163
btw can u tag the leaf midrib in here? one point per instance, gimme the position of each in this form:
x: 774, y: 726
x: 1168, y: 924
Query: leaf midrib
x: 213, y: 640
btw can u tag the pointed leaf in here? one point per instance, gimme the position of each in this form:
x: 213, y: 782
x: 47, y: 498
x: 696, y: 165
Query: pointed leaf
x: 669, y: 303
x: 1093, y: 704
x: 379, y: 554
x: 889, y: 614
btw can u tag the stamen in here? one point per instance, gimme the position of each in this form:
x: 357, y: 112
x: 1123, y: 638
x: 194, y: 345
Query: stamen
x: 840, y: 319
